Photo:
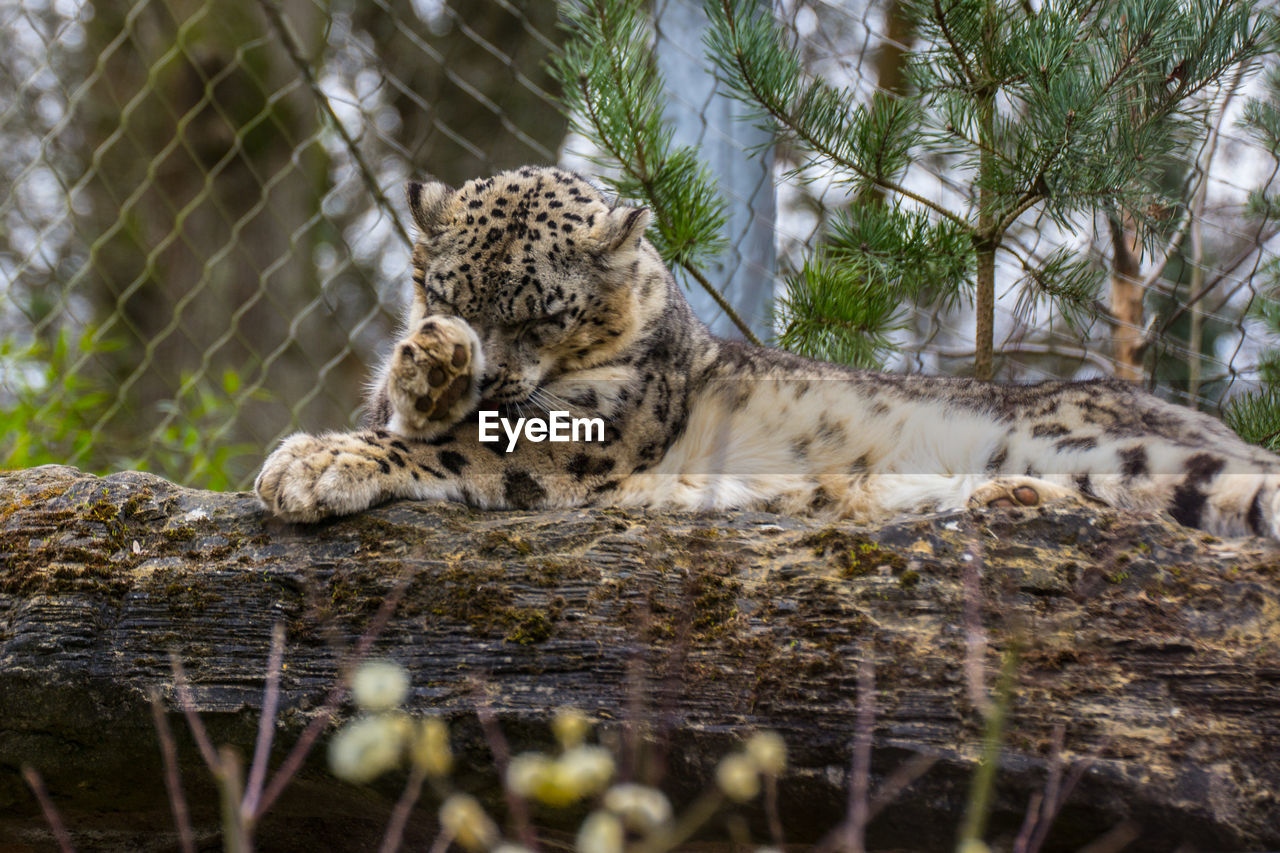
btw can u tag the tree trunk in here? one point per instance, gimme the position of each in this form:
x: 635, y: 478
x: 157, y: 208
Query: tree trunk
x: 1149, y: 647
x: 1127, y: 334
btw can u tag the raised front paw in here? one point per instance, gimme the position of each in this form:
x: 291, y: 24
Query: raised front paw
x: 433, y: 378
x: 1015, y: 492
x: 308, y: 477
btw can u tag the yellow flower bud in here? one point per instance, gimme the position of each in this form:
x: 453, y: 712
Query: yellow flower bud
x: 570, y: 727
x: 738, y: 777
x: 527, y: 773
x: 579, y: 772
x: 365, y: 748
x: 587, y: 769
x: 464, y: 818
x: 641, y: 808
x: 768, y: 751
x: 601, y: 832
x: 379, y: 685
x: 430, y: 747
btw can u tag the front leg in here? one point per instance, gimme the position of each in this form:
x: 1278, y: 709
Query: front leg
x: 428, y: 384
x: 309, y: 477
x: 431, y: 380
x: 313, y: 477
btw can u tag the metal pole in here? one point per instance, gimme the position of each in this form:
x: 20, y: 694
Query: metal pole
x: 711, y: 122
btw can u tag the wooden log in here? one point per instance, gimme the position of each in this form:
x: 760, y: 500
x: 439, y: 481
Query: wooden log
x: 1153, y: 649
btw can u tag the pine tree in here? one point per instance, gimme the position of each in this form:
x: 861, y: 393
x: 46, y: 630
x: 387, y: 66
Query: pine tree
x: 1075, y: 107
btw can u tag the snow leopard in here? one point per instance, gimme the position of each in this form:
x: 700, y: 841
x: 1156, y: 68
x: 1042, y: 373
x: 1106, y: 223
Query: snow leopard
x: 534, y: 294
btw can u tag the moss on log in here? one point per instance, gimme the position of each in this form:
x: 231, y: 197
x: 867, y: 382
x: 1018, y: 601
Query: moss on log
x: 1153, y: 648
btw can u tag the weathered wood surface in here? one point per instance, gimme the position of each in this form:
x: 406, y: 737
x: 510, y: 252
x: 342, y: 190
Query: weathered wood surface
x: 1155, y: 648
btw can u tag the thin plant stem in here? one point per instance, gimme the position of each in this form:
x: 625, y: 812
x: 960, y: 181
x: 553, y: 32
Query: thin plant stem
x: 697, y: 275
x: 902, y: 776
x: 739, y: 832
x: 771, y: 812
x: 860, y: 769
x: 516, y: 805
x: 306, y: 741
x: 899, y: 780
x: 36, y: 784
x: 668, y: 695
x: 235, y: 837
x: 1042, y: 807
x: 172, y: 778
x: 689, y: 822
x: 1078, y: 769
x: 975, y: 637
x: 633, y: 722
x: 266, y: 725
x: 442, y: 842
x: 187, y: 702
x: 984, y: 776
x: 1030, y: 821
x: 394, y: 835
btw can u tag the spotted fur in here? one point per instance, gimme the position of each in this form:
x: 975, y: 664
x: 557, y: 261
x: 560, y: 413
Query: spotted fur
x: 531, y: 292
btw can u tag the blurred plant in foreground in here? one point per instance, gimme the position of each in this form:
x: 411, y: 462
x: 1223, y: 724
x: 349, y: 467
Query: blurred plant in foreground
x: 626, y: 815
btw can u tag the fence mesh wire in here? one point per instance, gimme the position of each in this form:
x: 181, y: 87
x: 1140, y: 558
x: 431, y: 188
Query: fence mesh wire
x: 202, y: 244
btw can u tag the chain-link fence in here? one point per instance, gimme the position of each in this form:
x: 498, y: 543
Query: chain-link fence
x: 202, y: 244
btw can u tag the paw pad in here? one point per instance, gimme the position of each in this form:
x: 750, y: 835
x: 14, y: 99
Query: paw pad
x: 1017, y: 497
x: 1026, y: 495
x: 431, y: 373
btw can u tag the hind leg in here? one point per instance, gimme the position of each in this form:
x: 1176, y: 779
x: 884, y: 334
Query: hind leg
x: 1013, y: 492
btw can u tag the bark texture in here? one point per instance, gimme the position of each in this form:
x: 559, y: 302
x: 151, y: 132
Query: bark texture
x: 1155, y: 649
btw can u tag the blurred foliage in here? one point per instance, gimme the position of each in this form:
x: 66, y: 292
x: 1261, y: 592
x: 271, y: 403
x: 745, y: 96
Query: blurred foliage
x: 52, y: 412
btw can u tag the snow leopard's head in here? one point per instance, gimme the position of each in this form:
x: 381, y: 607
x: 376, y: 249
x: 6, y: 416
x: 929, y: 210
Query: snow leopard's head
x: 551, y: 276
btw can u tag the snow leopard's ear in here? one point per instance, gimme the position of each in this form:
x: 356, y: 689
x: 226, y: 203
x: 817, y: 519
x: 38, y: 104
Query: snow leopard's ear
x: 427, y: 203
x: 622, y: 229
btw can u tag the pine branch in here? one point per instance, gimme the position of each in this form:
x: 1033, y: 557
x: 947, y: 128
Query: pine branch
x: 1071, y: 283
x: 819, y: 117
x: 1255, y: 417
x: 848, y: 298
x: 940, y: 17
x: 1225, y: 40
